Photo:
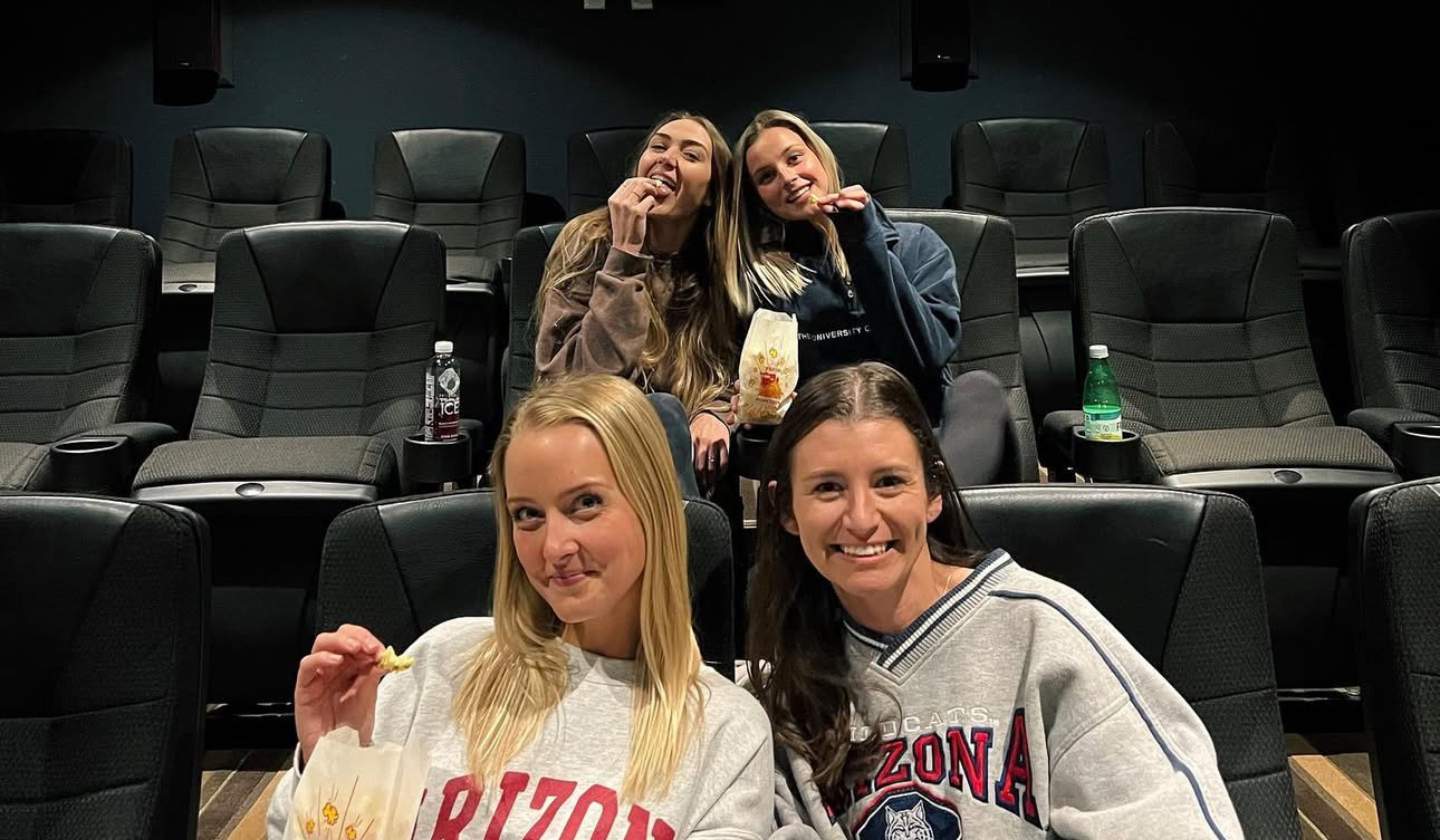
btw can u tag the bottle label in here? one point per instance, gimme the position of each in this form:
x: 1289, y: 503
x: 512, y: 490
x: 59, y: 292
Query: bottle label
x: 447, y: 405
x: 1102, y: 425
x: 429, y: 427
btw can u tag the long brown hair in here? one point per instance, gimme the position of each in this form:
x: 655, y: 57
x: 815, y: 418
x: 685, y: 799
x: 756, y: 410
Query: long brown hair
x: 694, y: 354
x: 518, y: 675
x: 797, y: 638
x: 765, y: 268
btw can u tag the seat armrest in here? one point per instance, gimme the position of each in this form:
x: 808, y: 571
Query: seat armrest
x: 1379, y: 423
x: 105, y: 460
x: 262, y: 498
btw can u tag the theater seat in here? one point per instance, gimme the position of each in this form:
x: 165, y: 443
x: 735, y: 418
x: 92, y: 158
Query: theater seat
x: 1259, y: 167
x: 75, y: 301
x: 316, y: 374
x: 532, y: 248
x: 1044, y: 175
x: 1202, y: 312
x: 596, y: 162
x: 984, y: 252
x: 223, y: 179
x: 104, y: 625
x: 400, y: 567
x: 1201, y: 620
x: 468, y: 185
x: 1396, y: 542
x: 65, y: 175
x: 1392, y: 296
x: 874, y: 155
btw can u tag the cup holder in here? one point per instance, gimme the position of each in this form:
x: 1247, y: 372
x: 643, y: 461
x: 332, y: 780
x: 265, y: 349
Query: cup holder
x: 748, y: 450
x: 1416, y: 449
x: 436, y: 462
x: 1108, y: 461
x: 92, y: 465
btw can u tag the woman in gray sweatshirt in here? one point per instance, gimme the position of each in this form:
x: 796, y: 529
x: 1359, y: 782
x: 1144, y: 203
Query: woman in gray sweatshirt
x: 923, y: 692
x: 582, y: 709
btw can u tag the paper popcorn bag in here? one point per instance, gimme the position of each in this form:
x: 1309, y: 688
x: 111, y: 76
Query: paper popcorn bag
x: 350, y: 792
x: 769, y: 368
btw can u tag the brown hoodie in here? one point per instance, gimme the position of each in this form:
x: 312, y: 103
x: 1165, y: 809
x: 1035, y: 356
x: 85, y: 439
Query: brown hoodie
x: 599, y: 322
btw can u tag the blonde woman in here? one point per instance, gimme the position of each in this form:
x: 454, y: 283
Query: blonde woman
x: 642, y: 289
x: 861, y: 287
x: 582, y: 708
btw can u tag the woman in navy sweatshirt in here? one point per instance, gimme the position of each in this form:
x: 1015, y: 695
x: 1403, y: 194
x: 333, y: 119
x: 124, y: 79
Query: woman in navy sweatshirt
x: 861, y: 287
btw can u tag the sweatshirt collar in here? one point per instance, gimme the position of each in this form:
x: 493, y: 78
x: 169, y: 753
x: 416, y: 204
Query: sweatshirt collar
x: 590, y: 667
x: 892, y: 652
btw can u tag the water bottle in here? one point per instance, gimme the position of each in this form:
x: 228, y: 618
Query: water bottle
x: 1101, y: 399
x: 442, y: 394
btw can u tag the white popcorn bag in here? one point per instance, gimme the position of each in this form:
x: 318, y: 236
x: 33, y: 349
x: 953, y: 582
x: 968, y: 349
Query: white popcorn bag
x: 769, y: 367
x: 350, y: 792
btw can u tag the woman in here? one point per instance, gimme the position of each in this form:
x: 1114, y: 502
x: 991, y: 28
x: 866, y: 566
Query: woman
x: 587, y: 680
x: 642, y: 289
x: 861, y: 287
x: 918, y: 687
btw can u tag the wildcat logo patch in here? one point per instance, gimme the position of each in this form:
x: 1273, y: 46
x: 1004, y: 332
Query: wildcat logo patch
x: 908, y: 812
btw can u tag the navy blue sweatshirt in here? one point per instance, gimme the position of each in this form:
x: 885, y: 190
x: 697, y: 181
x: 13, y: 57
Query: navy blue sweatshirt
x: 900, y: 306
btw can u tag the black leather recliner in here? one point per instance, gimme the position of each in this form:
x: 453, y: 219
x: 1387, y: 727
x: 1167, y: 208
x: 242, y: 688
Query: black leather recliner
x: 1044, y: 175
x: 222, y: 179
x: 101, y: 715
x: 1392, y: 294
x: 1200, y: 622
x: 321, y: 334
x: 400, y: 567
x: 1202, y: 312
x: 65, y: 175
x: 1207, y: 164
x: 1396, y: 542
x: 532, y: 248
x: 75, y: 305
x: 984, y: 252
x: 596, y: 162
x: 874, y: 155
x: 468, y: 185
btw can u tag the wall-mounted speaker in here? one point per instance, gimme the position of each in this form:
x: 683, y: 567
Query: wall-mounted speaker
x: 935, y: 44
x: 187, y: 51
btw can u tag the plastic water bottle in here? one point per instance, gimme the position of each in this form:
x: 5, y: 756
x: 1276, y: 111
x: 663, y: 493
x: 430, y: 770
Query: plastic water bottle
x: 1101, y: 399
x: 442, y: 394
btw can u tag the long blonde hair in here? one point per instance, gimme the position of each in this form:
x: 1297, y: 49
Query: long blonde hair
x: 519, y: 675
x: 695, y: 358
x: 753, y: 228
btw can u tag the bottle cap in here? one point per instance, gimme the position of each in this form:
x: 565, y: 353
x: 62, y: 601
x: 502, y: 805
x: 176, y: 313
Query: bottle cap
x: 444, y: 347
x: 1099, y: 351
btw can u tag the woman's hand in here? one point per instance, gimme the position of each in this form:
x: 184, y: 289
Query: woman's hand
x: 337, y: 686
x: 711, y: 439
x: 851, y: 198
x: 630, y: 208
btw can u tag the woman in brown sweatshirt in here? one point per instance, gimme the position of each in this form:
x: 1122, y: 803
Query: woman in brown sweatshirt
x: 643, y: 289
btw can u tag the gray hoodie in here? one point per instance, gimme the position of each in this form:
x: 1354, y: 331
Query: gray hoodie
x: 566, y: 784
x: 1022, y: 714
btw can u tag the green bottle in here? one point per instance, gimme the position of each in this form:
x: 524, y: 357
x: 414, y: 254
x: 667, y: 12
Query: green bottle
x: 1101, y: 399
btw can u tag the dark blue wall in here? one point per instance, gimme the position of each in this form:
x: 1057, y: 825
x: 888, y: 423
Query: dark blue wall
x: 547, y: 68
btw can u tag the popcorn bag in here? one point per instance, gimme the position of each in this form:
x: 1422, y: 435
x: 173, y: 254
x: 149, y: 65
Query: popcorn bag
x: 350, y: 792
x: 769, y: 368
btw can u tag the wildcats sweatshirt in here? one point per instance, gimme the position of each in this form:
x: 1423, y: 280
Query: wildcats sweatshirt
x: 1022, y: 715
